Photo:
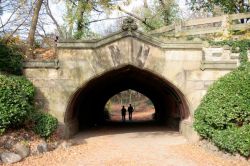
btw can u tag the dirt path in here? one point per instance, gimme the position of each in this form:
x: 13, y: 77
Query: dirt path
x: 133, y: 146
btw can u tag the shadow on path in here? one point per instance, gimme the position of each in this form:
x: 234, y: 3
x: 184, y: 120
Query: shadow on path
x: 138, y: 129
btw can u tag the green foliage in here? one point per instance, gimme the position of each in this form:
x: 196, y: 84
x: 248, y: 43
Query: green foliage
x: 44, y: 124
x: 78, y: 14
x: 234, y: 139
x: 10, y: 59
x: 243, y: 46
x: 224, y: 113
x: 158, y: 14
x: 155, y: 22
x: 227, y: 6
x: 16, y: 101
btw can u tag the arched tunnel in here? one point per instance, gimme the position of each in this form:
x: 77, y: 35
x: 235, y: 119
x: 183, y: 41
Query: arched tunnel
x: 86, y: 107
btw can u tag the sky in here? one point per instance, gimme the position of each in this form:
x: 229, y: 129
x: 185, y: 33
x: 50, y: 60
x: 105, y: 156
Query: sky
x: 58, y: 10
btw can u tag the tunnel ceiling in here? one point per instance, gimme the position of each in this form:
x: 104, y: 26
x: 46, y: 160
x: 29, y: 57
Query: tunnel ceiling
x: 89, y: 101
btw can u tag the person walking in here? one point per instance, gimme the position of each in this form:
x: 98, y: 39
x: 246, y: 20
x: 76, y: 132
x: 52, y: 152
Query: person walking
x: 123, y: 112
x: 130, y: 111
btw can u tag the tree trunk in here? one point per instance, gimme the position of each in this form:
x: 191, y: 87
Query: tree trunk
x: 145, y: 4
x: 32, y: 31
x: 166, y: 10
x: 80, y: 19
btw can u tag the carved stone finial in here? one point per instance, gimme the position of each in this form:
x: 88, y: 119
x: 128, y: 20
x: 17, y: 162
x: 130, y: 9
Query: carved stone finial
x: 129, y: 24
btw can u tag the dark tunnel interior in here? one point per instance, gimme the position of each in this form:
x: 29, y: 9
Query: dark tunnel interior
x: 87, y: 104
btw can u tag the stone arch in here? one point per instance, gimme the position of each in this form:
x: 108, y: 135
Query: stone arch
x: 87, y: 104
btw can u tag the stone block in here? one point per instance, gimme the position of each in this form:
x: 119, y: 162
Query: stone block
x: 217, y: 54
x: 9, y: 158
x: 186, y: 129
x: 73, y: 54
x: 207, y: 84
x: 194, y: 85
x: 234, y: 56
x: 156, y: 64
x: 48, y: 64
x: 22, y: 149
x: 42, y: 147
x: 54, y: 74
x: 219, y: 65
x: 34, y: 73
x: 205, y: 75
x: 191, y: 65
x: 183, y: 55
x: 194, y: 97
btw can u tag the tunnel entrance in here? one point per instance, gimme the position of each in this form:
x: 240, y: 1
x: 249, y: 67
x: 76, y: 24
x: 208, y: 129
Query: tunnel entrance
x: 86, y: 107
x: 141, y: 108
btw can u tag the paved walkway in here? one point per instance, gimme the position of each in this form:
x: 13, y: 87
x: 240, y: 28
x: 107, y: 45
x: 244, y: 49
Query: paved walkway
x: 132, y: 146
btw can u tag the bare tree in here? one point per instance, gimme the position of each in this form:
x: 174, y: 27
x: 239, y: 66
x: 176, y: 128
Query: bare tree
x: 19, y: 14
x: 59, y: 29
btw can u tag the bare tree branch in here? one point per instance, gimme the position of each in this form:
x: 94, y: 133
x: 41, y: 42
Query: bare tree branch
x: 13, y: 32
x: 10, y: 17
x: 53, y: 18
x: 143, y: 20
x: 104, y: 19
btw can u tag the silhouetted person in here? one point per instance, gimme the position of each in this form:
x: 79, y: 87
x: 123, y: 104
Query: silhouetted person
x: 123, y: 111
x: 130, y: 111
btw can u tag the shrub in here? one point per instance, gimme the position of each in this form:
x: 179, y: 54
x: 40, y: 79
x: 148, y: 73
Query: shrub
x: 16, y: 101
x: 11, y: 59
x: 224, y: 113
x: 44, y: 124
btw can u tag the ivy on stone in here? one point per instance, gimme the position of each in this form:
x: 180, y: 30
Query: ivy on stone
x: 240, y: 46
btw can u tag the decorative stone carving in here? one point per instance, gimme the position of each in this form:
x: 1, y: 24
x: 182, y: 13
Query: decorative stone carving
x: 129, y: 24
x: 115, y: 54
x: 142, y: 55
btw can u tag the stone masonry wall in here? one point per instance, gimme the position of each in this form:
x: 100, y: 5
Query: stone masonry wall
x: 189, y: 66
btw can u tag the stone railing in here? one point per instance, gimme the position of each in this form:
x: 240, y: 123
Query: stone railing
x: 221, y: 24
x: 220, y: 58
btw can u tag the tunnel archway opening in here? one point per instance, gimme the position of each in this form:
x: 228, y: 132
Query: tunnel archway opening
x: 143, y: 109
x: 86, y: 107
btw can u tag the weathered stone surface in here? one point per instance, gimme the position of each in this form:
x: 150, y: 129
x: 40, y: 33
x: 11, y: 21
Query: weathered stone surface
x: 53, y: 145
x: 65, y: 145
x: 9, y: 158
x: 195, y: 85
x: 41, y: 64
x: 176, y: 62
x: 42, y: 147
x: 208, y: 83
x: 22, y: 149
x: 9, y: 142
x: 183, y: 55
x: 221, y: 65
x: 205, y: 75
x: 188, y: 131
x: 217, y: 54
